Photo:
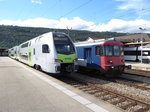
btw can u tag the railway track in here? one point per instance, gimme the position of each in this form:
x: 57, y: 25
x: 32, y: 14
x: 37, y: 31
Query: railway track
x: 98, y: 88
x: 132, y: 83
x: 137, y: 72
x: 139, y: 84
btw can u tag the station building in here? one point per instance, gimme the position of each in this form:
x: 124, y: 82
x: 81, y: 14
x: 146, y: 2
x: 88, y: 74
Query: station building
x: 144, y: 37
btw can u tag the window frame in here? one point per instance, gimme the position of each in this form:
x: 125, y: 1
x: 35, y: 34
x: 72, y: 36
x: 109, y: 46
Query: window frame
x: 45, y: 48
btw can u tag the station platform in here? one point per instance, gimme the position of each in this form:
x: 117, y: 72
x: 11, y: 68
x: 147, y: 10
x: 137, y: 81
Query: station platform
x: 139, y: 66
x: 23, y: 89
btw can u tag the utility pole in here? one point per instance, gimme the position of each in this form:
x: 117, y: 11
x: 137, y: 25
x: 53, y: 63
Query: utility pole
x: 142, y: 32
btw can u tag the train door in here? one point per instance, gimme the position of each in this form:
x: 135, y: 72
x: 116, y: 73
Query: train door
x: 88, y: 55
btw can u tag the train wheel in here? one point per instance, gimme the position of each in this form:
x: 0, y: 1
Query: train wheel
x: 37, y: 67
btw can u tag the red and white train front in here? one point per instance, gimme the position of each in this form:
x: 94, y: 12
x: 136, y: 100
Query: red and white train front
x: 112, y: 58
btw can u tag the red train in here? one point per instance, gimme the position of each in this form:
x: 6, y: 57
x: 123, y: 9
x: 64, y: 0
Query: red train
x: 105, y: 56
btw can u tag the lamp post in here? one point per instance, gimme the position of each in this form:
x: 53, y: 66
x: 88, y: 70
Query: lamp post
x: 142, y: 30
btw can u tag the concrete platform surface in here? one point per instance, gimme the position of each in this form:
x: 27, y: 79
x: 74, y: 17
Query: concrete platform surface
x: 23, y: 89
x: 139, y: 66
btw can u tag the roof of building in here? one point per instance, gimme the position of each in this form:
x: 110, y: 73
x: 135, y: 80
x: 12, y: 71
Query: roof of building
x: 134, y: 38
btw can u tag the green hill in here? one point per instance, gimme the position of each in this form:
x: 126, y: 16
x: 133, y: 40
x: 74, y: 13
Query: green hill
x: 14, y: 35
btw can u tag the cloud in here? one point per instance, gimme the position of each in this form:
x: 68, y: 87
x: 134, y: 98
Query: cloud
x: 118, y: 25
x: 115, y: 25
x: 140, y: 7
x: 36, y: 1
x: 133, y: 4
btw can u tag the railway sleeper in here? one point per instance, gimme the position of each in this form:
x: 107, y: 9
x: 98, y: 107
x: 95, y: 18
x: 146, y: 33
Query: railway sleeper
x: 110, y: 98
x: 93, y: 91
x: 86, y: 89
x: 107, y: 97
x: 77, y: 85
x: 115, y: 102
x: 100, y: 94
x: 82, y: 87
x: 129, y: 105
x: 143, y: 110
x: 138, y: 108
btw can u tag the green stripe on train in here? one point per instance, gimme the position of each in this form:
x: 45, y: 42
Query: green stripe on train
x: 67, y: 58
x: 30, y: 57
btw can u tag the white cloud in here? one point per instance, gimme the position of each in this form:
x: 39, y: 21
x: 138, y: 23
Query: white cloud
x: 140, y: 7
x: 133, y: 4
x: 115, y: 25
x: 36, y: 1
x: 118, y: 25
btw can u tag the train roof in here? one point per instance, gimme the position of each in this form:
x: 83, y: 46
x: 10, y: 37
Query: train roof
x: 85, y: 43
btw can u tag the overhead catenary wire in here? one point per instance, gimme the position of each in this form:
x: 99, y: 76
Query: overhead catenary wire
x: 76, y: 8
x: 144, y: 10
x: 128, y: 14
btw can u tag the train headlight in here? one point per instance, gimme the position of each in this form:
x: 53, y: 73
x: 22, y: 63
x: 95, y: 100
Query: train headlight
x: 110, y: 61
x: 58, y: 61
x: 75, y: 60
x: 122, y: 60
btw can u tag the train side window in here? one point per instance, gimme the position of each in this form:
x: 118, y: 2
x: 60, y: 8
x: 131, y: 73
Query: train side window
x: 34, y: 51
x: 45, y: 48
x: 99, y: 51
x: 87, y: 53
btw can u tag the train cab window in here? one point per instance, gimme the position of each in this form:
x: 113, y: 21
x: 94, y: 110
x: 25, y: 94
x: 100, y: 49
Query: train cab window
x: 116, y: 51
x: 45, y: 48
x: 63, y: 44
x: 108, y: 50
x: 24, y: 45
x: 121, y: 50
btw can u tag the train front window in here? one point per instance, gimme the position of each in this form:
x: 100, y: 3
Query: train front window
x: 63, y: 44
x: 64, y: 48
x: 121, y: 50
x: 108, y: 50
x: 116, y: 51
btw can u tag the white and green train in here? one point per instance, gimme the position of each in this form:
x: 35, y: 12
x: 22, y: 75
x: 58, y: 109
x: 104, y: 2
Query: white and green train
x: 51, y: 52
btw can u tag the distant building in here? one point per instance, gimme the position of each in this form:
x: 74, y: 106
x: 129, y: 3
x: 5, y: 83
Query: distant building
x: 3, y: 52
x: 134, y: 38
x: 97, y: 40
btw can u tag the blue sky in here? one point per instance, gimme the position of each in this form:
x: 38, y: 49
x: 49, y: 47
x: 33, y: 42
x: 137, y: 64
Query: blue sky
x: 94, y: 15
